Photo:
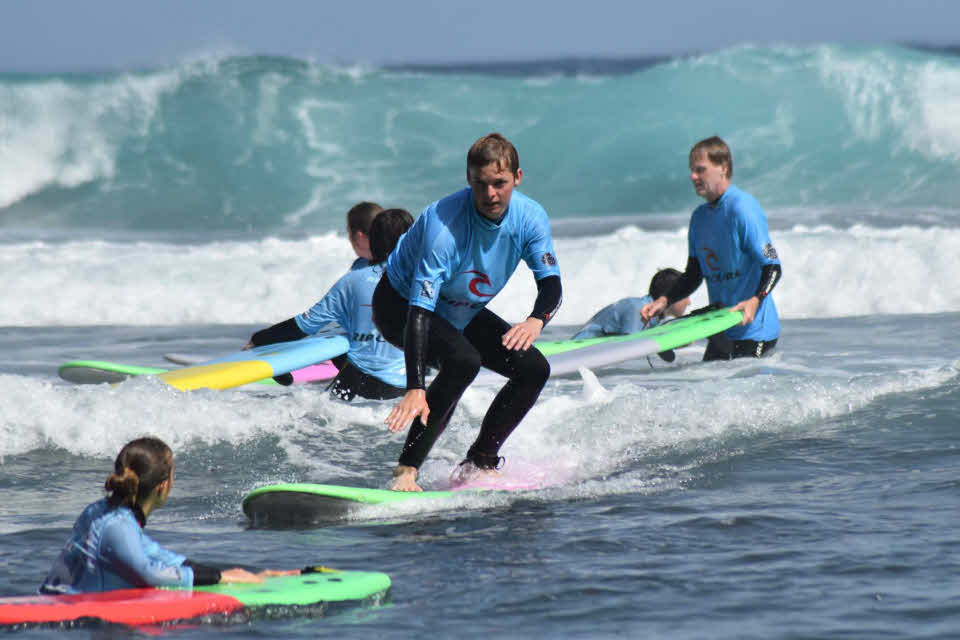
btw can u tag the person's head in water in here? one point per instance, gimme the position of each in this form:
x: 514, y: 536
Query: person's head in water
x: 660, y: 285
x: 359, y: 219
x: 142, y: 475
x: 493, y: 171
x: 386, y: 230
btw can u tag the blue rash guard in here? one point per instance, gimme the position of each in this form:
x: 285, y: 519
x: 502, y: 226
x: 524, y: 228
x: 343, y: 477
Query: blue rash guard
x: 620, y: 318
x: 731, y: 243
x: 108, y: 550
x: 348, y: 303
x: 453, y: 260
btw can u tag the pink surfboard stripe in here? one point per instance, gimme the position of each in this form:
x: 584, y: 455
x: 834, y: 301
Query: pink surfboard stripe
x: 315, y: 372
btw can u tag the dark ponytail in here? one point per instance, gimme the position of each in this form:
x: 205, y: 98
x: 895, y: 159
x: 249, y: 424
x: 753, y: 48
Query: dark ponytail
x: 385, y: 231
x: 140, y: 466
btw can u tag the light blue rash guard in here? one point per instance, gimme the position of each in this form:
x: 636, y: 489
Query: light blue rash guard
x: 108, y: 550
x: 453, y: 261
x: 731, y: 243
x: 348, y: 304
x: 620, y: 318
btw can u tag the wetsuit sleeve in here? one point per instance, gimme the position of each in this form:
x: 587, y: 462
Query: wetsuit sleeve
x: 136, y: 558
x: 769, y: 277
x: 687, y: 283
x: 203, y: 574
x: 286, y: 331
x: 549, y: 297
x: 415, y: 340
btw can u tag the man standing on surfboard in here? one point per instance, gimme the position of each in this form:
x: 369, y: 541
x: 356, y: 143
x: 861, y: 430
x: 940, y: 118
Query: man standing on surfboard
x: 432, y: 302
x: 729, y: 245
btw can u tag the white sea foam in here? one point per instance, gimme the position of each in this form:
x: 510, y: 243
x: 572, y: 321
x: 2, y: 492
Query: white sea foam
x: 828, y: 272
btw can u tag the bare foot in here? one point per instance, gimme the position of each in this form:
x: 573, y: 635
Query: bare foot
x: 466, y: 472
x: 405, y: 479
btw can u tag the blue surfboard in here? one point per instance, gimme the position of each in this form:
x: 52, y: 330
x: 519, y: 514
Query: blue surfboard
x: 257, y: 363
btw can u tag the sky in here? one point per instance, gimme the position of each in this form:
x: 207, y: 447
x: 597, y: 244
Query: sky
x: 73, y: 35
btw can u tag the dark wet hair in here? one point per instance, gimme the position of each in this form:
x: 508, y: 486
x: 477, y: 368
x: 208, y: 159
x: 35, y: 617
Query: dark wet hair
x: 385, y: 230
x: 140, y: 466
x: 717, y: 152
x: 662, y: 281
x: 361, y: 215
x: 493, y: 148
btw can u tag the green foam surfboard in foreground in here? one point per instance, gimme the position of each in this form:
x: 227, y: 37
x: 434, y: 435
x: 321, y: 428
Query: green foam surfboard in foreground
x: 314, y: 590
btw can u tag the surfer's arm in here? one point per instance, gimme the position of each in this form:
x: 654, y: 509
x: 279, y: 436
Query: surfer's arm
x: 521, y: 335
x: 414, y: 401
x: 769, y: 277
x: 203, y: 574
x: 549, y: 298
x: 687, y: 283
x: 286, y: 331
x: 133, y: 556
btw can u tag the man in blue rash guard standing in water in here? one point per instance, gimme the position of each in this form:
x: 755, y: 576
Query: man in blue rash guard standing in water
x: 432, y: 301
x: 729, y: 245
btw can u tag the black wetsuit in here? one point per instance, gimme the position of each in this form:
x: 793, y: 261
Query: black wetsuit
x: 458, y: 357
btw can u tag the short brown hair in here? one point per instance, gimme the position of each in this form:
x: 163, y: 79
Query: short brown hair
x: 717, y: 152
x: 361, y: 215
x: 493, y: 148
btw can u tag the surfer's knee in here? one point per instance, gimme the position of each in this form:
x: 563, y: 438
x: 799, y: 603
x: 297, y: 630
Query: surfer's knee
x: 531, y: 368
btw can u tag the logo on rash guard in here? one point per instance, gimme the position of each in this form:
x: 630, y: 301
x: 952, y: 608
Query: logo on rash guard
x: 426, y: 289
x: 710, y: 258
x: 548, y: 259
x: 769, y: 252
x: 475, y: 282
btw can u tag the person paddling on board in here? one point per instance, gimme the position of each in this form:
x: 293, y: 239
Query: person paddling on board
x: 432, y: 302
x: 623, y: 316
x: 108, y: 549
x: 729, y: 245
x: 373, y: 368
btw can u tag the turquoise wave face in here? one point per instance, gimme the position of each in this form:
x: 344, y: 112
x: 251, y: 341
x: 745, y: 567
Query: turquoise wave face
x: 270, y: 144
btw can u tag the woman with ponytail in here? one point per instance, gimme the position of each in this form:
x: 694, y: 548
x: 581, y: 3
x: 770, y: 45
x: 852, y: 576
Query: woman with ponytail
x: 108, y: 549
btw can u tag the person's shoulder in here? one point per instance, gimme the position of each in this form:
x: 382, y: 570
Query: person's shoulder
x: 741, y: 200
x: 359, y: 263
x: 452, y: 203
x: 527, y: 204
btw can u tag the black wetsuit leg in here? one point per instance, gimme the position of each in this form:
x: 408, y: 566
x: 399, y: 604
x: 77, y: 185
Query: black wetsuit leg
x: 720, y: 347
x: 351, y: 382
x: 456, y: 360
x: 527, y: 373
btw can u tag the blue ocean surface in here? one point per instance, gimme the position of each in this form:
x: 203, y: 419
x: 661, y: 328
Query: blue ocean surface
x: 812, y: 494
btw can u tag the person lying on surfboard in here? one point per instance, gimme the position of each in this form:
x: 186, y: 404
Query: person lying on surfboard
x: 108, y: 549
x: 373, y: 368
x: 432, y: 302
x: 623, y: 316
x: 729, y: 245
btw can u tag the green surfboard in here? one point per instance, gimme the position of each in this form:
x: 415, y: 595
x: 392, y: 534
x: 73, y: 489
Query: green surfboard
x: 305, y: 503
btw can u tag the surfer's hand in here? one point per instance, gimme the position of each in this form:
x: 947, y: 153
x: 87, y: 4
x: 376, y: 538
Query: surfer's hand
x: 653, y: 309
x: 271, y: 573
x: 412, y: 404
x: 749, y: 309
x: 521, y: 336
x: 237, y: 575
x: 247, y: 346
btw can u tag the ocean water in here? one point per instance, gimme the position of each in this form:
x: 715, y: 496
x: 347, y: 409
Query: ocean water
x: 813, y: 494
